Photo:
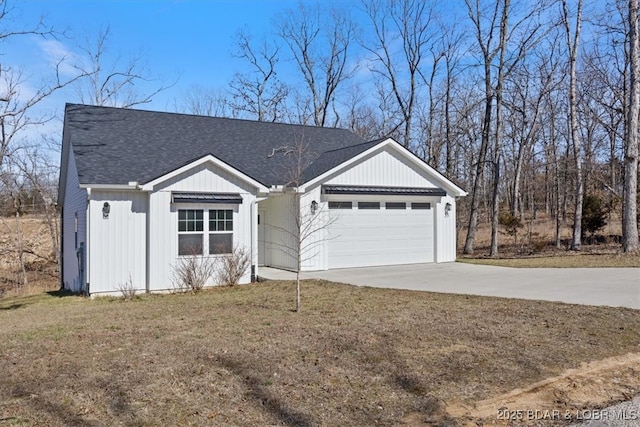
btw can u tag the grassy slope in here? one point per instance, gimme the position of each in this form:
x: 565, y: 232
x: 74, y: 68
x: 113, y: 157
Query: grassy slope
x: 239, y: 356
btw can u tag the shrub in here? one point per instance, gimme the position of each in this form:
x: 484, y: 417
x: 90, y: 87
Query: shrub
x: 127, y: 290
x: 192, y: 272
x: 230, y: 268
x: 511, y: 223
x: 594, y: 214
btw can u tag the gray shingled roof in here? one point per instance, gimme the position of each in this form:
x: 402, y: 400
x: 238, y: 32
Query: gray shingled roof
x: 117, y: 146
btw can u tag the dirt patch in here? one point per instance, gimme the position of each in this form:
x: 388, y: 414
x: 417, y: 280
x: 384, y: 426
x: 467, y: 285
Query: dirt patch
x: 566, y: 396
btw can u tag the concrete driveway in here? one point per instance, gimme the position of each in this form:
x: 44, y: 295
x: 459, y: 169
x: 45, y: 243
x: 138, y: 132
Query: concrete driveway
x: 615, y: 287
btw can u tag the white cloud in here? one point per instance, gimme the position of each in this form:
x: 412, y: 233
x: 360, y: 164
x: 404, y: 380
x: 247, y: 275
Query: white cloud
x: 58, y: 54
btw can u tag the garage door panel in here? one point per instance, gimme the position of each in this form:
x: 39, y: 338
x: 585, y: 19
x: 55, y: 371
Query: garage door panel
x: 367, y: 237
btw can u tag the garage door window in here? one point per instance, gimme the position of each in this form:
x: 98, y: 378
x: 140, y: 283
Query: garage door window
x: 396, y: 205
x: 368, y: 205
x: 340, y: 205
x: 420, y: 205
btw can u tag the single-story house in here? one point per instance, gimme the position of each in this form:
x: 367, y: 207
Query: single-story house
x: 139, y: 190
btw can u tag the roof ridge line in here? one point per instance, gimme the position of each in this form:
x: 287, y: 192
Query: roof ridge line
x: 73, y: 104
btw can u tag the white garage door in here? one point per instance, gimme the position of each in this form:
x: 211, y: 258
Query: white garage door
x: 365, y: 236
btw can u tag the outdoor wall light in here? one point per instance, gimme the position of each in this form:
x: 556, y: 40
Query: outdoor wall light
x: 447, y: 209
x: 314, y: 207
x: 106, y: 208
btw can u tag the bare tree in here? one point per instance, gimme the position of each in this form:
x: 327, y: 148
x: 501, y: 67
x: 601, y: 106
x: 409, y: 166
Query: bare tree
x: 629, y: 214
x: 116, y: 84
x: 573, y: 40
x: 36, y: 171
x: 19, y: 113
x: 407, y: 24
x: 302, y: 241
x: 258, y: 91
x: 489, y: 52
x: 204, y: 101
x: 320, y: 46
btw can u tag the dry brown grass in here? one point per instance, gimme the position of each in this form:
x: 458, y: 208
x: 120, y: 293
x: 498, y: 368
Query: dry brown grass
x: 240, y: 356
x: 562, y: 259
x: 534, y: 247
x: 41, y: 272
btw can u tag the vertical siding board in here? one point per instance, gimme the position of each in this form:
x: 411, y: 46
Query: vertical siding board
x: 118, y: 243
x: 384, y: 168
x: 446, y: 231
x: 75, y: 202
x: 315, y: 258
x: 278, y: 243
x: 163, y: 229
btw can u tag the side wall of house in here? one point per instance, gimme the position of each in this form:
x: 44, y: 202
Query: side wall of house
x: 117, y: 241
x: 315, y: 249
x: 163, y: 219
x: 74, y: 214
x: 446, y: 232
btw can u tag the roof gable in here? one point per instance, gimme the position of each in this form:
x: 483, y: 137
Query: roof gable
x: 374, y: 147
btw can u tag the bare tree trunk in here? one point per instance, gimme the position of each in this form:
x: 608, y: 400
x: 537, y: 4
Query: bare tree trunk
x: 19, y: 249
x: 299, y: 242
x: 556, y: 179
x: 629, y: 212
x: 479, y: 174
x: 495, y: 208
x: 572, y: 44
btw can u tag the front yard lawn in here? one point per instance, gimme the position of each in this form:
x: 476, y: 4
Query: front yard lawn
x: 240, y: 356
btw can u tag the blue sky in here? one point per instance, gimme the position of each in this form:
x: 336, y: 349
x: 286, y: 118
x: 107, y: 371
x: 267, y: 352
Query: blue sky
x: 188, y: 40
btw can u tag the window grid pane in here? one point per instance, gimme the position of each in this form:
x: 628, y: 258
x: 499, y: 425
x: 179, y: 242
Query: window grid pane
x: 190, y: 220
x: 395, y: 205
x: 221, y: 220
x: 420, y: 205
x: 220, y: 243
x: 340, y: 205
x: 190, y: 244
x: 368, y: 205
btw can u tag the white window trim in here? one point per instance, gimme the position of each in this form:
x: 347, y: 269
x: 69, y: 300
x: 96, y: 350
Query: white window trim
x: 205, y: 207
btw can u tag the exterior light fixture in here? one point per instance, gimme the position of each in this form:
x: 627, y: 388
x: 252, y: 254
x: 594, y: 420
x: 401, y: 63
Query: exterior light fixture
x: 314, y: 207
x: 106, y: 208
x: 447, y: 209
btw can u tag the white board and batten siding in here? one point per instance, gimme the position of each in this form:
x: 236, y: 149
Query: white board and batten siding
x: 383, y: 168
x: 163, y: 218
x: 75, y: 206
x: 446, y: 232
x: 117, y: 243
x: 359, y: 237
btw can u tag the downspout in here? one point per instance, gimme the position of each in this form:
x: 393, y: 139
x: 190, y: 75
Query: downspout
x: 147, y: 242
x: 87, y: 234
x: 61, y: 250
x: 254, y: 252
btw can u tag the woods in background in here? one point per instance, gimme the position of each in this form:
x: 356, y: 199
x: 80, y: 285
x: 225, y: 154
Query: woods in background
x: 528, y: 105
